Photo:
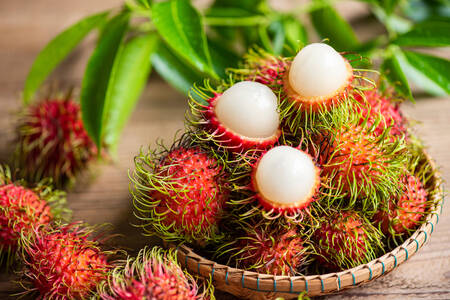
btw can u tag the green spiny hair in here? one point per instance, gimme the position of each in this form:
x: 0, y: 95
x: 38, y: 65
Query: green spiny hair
x: 17, y: 219
x: 145, y: 276
x: 157, y: 194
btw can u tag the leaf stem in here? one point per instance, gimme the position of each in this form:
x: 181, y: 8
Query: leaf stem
x: 242, y: 21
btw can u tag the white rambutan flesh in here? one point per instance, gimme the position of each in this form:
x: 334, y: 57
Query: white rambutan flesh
x: 248, y: 109
x: 286, y: 177
x: 318, y: 71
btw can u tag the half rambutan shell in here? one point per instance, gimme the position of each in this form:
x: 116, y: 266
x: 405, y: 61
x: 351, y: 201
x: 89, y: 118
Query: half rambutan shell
x: 285, y: 180
x: 317, y: 78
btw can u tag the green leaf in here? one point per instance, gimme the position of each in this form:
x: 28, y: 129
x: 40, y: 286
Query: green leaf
x: 180, y: 25
x: 388, y: 5
x: 222, y: 57
x: 296, y: 35
x: 254, y: 6
x: 330, y: 25
x: 56, y: 51
x: 434, y: 68
x: 394, y: 74
x: 174, y: 70
x: 430, y: 34
x: 144, y: 3
x: 231, y: 16
x: 277, y: 35
x: 97, y: 75
x: 128, y: 77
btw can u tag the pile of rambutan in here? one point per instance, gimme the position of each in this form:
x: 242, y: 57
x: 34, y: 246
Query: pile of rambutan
x: 293, y: 165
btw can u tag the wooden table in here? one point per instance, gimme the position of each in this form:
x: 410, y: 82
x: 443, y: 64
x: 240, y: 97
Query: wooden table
x: 26, y: 26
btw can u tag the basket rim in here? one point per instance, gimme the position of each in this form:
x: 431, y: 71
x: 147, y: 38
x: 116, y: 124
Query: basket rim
x: 225, y: 277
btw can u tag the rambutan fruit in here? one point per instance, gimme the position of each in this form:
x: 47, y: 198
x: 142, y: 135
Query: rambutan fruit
x: 244, y: 116
x: 285, y: 179
x: 407, y: 211
x: 52, y: 142
x: 345, y: 240
x: 64, y: 263
x: 358, y: 168
x: 153, y: 274
x: 267, y: 248
x: 22, y: 210
x: 179, y: 194
x: 374, y: 105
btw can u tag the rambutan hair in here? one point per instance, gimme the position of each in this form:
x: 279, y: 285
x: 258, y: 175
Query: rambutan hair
x: 153, y: 274
x: 52, y: 141
x: 65, y: 261
x: 24, y: 209
x: 179, y: 194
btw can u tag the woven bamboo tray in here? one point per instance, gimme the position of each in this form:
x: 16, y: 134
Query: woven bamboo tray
x: 252, y: 285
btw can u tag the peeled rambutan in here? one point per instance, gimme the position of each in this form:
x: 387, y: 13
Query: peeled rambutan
x: 52, y: 141
x: 180, y: 195
x: 358, y: 165
x: 22, y: 210
x: 245, y: 116
x: 153, y: 274
x: 345, y: 240
x: 285, y: 180
x: 317, y: 78
x: 64, y: 263
x: 267, y: 248
x: 405, y: 212
x: 375, y: 106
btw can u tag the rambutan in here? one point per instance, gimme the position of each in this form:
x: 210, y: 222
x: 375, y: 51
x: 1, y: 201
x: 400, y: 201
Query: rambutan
x: 285, y: 180
x: 374, y: 105
x: 406, y: 212
x: 345, y: 240
x: 22, y: 210
x: 64, y: 263
x: 267, y: 248
x: 52, y: 141
x: 317, y: 77
x: 153, y: 274
x: 179, y: 194
x: 358, y: 165
x: 244, y: 116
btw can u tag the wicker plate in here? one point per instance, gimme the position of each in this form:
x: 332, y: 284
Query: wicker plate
x: 252, y: 285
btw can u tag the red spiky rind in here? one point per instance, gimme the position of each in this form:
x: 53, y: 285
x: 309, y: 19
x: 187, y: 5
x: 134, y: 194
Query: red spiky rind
x: 64, y: 262
x: 406, y: 212
x: 319, y: 103
x: 345, y: 240
x: 267, y: 249
x: 284, y: 209
x: 373, y: 104
x: 24, y: 209
x: 180, y: 194
x: 52, y: 141
x: 232, y: 140
x: 358, y: 167
x: 153, y: 274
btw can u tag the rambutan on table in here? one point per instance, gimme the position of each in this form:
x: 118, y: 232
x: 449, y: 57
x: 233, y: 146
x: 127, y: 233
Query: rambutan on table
x: 102, y: 195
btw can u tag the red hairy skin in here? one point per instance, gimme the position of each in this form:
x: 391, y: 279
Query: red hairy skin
x: 267, y: 70
x: 156, y: 276
x: 229, y: 139
x: 270, y: 252
x: 21, y: 210
x: 194, y: 193
x: 343, y: 241
x: 64, y: 264
x: 315, y: 104
x: 406, y: 212
x: 350, y: 157
x: 373, y: 105
x: 53, y: 142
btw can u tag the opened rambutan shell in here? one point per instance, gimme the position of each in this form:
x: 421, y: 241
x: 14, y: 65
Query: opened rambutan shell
x: 52, y: 141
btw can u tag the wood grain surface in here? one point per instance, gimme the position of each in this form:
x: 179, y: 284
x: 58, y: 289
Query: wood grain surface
x: 102, y: 194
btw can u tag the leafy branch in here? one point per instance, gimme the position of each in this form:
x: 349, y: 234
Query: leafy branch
x: 185, y: 45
